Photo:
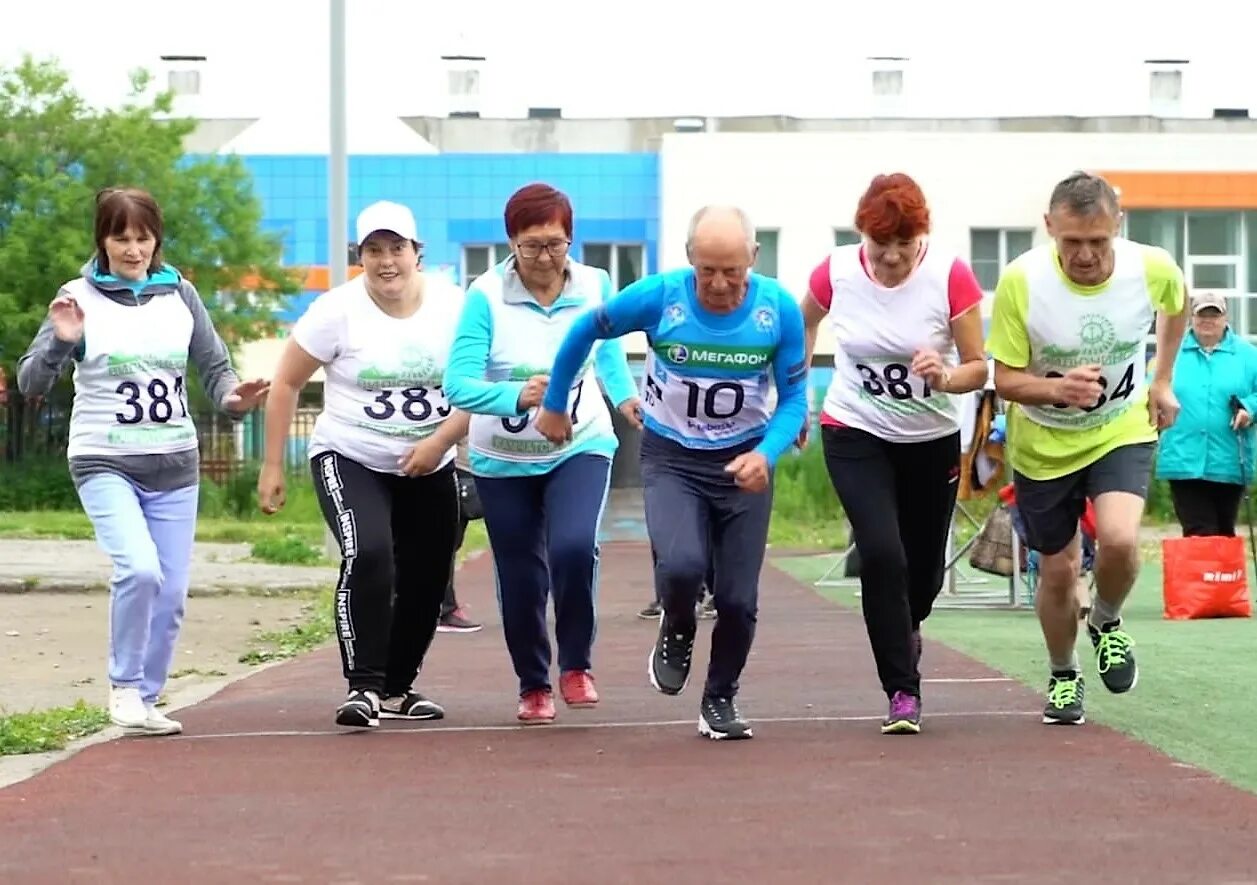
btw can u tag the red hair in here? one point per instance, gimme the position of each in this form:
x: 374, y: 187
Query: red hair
x: 892, y: 208
x: 535, y: 204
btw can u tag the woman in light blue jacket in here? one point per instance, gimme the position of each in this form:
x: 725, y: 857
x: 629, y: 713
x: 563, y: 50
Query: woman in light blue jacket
x: 1207, y: 454
x: 542, y: 503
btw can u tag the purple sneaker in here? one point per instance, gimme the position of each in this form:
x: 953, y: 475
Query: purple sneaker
x: 904, y: 716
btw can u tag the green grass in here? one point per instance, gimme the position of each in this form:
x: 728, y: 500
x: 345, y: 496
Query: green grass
x: 47, y: 730
x: 1193, y: 698
x: 806, y: 514
x: 314, y: 629
x: 317, y: 623
x: 74, y: 525
x: 290, y: 549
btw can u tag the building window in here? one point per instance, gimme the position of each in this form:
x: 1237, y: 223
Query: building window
x: 625, y: 263
x: 766, y: 261
x: 990, y: 249
x: 1216, y: 250
x: 478, y: 259
x: 1250, y: 248
x: 845, y: 236
x: 1159, y: 228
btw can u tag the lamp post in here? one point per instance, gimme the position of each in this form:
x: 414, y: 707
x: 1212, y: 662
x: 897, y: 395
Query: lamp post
x: 337, y: 175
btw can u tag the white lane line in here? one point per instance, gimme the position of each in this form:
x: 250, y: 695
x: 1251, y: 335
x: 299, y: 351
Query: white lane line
x: 957, y: 680
x: 658, y: 723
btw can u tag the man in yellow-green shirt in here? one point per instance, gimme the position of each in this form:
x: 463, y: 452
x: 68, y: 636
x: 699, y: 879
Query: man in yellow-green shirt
x: 1068, y: 328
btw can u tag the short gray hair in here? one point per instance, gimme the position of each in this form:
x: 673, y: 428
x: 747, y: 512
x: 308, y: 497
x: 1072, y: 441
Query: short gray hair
x: 743, y: 219
x: 1084, y: 194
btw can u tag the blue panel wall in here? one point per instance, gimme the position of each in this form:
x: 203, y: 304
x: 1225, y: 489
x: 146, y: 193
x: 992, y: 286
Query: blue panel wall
x: 458, y: 200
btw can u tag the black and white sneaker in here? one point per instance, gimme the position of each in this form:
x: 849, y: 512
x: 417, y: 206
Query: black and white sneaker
x: 669, y: 663
x: 720, y: 720
x: 361, y: 709
x: 410, y: 705
x: 1065, y: 693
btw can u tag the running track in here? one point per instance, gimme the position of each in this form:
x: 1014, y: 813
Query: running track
x: 262, y: 788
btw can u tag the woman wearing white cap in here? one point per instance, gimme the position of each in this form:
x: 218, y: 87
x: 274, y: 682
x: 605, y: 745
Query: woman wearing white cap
x: 382, y: 455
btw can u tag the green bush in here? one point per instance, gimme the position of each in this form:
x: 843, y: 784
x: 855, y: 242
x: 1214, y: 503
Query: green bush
x: 45, y: 484
x: 236, y: 497
x: 803, y: 492
x: 37, y: 484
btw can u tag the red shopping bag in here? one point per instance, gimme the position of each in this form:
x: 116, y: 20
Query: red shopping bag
x: 1205, y: 577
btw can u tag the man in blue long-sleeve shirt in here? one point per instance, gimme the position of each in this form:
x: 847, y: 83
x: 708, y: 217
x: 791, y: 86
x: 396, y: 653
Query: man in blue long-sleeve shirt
x: 720, y: 338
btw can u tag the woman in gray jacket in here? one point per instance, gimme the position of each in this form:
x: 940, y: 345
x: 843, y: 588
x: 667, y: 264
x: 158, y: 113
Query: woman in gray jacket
x: 129, y: 326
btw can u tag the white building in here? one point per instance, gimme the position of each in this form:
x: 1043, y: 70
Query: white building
x: 1190, y: 186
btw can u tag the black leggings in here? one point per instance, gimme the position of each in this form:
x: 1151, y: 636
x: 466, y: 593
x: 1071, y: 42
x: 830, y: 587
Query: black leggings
x: 396, y: 537
x: 1206, y: 508
x: 899, y: 499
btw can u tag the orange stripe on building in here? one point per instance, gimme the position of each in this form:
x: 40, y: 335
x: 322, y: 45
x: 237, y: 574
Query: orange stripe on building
x: 311, y: 278
x: 1185, y: 190
x: 320, y: 278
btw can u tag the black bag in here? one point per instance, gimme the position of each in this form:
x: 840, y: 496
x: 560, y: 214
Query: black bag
x: 468, y: 497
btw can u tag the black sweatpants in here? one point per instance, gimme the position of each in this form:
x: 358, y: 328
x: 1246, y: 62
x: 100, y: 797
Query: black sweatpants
x: 697, y: 519
x: 396, y: 537
x: 709, y: 582
x: 1206, y: 508
x: 899, y: 499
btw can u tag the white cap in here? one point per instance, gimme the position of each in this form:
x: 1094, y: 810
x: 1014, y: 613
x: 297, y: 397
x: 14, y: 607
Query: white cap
x: 392, y: 217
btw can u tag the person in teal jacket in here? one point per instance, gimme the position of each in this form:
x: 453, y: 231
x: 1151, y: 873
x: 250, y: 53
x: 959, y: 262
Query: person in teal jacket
x: 1207, y: 454
x: 542, y: 503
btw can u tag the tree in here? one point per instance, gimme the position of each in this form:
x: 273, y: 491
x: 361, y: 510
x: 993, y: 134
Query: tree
x: 56, y: 152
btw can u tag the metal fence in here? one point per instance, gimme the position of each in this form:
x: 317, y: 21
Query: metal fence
x: 37, y: 429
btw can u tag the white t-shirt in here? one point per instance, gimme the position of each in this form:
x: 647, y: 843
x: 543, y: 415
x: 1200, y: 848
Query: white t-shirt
x: 383, y: 374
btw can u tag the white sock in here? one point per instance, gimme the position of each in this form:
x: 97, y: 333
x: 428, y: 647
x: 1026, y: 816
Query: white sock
x: 1103, y: 613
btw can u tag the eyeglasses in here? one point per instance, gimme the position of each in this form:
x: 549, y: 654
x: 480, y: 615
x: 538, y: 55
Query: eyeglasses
x: 556, y: 248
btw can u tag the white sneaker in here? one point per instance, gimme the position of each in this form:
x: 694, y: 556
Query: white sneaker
x: 158, y: 723
x: 126, y: 708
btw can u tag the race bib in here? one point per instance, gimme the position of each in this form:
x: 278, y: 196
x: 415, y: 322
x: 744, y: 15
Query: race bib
x: 517, y: 438
x: 711, y: 410
x: 890, y: 386
x: 413, y: 412
x: 150, y: 408
x: 1119, y: 383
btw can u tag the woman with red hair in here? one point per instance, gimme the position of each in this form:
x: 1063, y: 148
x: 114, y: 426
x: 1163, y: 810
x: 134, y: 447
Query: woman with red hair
x: 907, y: 340
x: 542, y: 503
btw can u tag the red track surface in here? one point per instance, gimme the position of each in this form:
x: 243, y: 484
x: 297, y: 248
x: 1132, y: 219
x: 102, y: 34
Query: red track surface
x: 262, y: 788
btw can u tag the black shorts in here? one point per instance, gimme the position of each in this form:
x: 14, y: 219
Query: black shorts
x: 1051, y: 508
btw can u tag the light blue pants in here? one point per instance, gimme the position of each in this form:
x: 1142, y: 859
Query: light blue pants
x: 149, y: 537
